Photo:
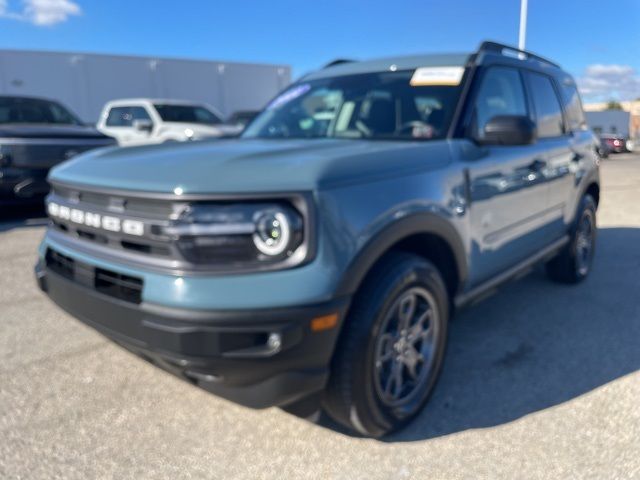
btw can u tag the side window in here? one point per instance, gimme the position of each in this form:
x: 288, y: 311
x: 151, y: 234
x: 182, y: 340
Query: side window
x: 573, y: 107
x: 547, y: 105
x: 124, y: 116
x: 501, y: 93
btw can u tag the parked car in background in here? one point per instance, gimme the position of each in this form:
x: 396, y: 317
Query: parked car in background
x: 603, y: 148
x: 631, y: 145
x: 35, y: 135
x: 146, y: 121
x: 242, y: 117
x: 616, y: 143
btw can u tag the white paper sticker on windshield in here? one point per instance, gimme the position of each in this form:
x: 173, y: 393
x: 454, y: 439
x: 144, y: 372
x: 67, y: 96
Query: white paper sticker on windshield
x: 437, y: 76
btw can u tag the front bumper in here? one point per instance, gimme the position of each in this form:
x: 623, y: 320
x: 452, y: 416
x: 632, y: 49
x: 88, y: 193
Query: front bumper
x: 230, y: 353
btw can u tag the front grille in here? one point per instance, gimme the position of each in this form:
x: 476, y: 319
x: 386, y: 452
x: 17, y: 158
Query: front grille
x: 106, y: 282
x: 154, y: 213
x: 147, y: 208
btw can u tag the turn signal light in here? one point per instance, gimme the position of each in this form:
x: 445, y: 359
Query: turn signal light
x: 326, y: 322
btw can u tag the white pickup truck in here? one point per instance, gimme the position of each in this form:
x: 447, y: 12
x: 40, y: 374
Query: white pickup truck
x: 141, y: 121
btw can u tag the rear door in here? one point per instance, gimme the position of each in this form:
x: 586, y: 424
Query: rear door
x: 561, y: 152
x: 582, y: 143
x: 507, y: 188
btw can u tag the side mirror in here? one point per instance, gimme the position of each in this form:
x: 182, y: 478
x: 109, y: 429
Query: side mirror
x: 509, y: 130
x: 143, y: 125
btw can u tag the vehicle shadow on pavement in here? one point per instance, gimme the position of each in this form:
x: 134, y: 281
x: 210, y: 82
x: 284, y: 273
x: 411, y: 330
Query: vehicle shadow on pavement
x: 537, y: 344
x: 19, y: 217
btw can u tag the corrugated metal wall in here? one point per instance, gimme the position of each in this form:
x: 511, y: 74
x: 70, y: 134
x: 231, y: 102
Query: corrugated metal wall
x: 85, y: 82
x: 610, y: 121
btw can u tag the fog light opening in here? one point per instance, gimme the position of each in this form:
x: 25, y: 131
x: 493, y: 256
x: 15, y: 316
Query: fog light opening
x: 274, y: 342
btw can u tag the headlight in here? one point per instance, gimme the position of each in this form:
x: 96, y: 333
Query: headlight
x: 239, y: 235
x: 273, y: 232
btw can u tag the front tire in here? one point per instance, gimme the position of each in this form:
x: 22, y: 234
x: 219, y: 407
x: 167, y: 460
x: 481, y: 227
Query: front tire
x: 573, y: 263
x: 389, y: 356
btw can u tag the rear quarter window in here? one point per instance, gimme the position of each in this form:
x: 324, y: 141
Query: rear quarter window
x: 573, y: 106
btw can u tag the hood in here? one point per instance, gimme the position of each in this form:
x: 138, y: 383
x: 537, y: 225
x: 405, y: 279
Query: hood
x: 49, y: 131
x: 249, y: 165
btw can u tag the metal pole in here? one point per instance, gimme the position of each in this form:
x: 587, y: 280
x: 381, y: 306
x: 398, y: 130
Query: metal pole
x: 523, y: 24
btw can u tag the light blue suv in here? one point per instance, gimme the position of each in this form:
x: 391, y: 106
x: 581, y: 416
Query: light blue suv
x: 316, y: 261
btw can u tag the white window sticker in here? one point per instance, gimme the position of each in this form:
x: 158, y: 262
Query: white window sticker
x: 437, y: 76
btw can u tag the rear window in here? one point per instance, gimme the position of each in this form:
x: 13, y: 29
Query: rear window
x: 34, y: 111
x: 573, y: 107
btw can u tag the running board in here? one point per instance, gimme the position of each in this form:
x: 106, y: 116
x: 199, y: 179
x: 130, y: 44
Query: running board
x: 487, y: 288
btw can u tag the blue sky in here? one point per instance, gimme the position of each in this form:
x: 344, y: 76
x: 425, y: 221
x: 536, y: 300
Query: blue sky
x: 596, y: 40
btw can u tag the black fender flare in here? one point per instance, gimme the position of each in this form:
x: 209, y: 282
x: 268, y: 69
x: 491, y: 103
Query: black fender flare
x: 414, y: 224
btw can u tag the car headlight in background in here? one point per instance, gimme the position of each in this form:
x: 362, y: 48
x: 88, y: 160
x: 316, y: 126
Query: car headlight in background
x: 239, y: 235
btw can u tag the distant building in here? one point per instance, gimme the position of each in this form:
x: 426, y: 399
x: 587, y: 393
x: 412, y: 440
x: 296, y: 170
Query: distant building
x: 624, y: 122
x: 85, y: 82
x: 610, y: 121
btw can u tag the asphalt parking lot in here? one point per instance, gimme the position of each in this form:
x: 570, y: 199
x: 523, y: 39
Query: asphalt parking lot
x: 541, y: 381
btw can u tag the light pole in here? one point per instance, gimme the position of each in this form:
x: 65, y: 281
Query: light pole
x: 523, y: 24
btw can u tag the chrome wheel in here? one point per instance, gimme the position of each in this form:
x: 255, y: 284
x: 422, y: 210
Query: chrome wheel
x: 584, y: 243
x: 406, y: 348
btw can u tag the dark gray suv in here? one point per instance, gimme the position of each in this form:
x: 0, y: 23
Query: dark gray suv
x: 316, y: 260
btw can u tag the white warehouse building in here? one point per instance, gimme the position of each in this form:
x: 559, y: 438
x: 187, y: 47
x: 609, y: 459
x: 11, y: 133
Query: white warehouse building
x: 85, y: 82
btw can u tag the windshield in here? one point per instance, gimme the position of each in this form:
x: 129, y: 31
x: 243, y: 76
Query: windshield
x: 34, y: 111
x: 187, y: 114
x: 372, y: 105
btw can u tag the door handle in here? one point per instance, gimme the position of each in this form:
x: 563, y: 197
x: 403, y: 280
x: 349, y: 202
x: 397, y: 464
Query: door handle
x: 537, y: 165
x: 577, y: 157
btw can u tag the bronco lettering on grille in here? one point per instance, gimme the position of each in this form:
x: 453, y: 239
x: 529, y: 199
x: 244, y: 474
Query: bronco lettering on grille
x: 95, y: 220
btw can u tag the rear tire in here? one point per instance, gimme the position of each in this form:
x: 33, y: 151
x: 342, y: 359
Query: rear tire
x: 573, y: 263
x: 390, y: 353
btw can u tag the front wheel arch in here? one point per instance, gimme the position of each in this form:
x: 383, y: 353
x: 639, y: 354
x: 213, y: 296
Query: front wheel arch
x: 406, y: 235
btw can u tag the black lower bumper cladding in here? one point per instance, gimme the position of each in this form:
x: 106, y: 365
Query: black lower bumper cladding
x: 257, y: 358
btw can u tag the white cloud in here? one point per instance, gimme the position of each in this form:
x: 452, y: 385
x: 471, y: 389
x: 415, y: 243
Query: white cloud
x: 41, y: 12
x: 607, y: 82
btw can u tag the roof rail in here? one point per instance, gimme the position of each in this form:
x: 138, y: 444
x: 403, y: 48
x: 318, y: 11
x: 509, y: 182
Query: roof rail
x: 508, y: 50
x: 338, y: 61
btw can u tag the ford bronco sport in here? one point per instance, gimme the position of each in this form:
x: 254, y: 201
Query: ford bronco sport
x: 316, y: 261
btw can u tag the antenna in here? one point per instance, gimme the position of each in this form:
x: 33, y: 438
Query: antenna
x: 523, y: 25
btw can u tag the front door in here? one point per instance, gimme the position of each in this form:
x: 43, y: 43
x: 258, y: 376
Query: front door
x: 508, y: 187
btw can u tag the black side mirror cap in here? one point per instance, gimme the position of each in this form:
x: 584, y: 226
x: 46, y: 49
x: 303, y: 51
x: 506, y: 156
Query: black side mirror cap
x: 509, y: 130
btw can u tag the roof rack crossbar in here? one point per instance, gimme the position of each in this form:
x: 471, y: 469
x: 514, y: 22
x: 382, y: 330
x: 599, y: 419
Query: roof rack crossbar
x: 500, y: 48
